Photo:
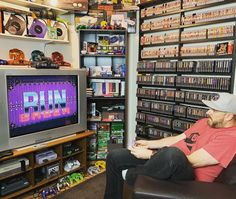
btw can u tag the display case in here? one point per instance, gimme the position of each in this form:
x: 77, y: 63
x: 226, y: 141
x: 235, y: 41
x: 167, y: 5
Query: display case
x: 104, y: 54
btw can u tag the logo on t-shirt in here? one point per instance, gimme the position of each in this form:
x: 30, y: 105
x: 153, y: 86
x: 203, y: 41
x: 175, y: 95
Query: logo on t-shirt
x: 191, y: 140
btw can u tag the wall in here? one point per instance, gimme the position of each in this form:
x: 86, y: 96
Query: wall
x: 133, y: 40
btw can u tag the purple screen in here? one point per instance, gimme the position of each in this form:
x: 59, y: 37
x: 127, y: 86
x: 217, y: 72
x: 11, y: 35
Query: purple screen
x: 37, y: 103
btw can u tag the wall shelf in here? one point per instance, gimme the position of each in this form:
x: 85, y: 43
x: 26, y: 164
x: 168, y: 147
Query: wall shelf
x: 17, y: 37
x: 29, y: 4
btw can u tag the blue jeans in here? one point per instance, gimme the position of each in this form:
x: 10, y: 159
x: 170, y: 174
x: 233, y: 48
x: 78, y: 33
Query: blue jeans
x: 169, y: 163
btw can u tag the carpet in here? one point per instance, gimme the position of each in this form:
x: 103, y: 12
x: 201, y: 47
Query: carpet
x: 91, y: 189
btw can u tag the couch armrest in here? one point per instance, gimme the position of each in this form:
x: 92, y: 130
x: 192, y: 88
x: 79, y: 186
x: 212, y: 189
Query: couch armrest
x: 149, y: 188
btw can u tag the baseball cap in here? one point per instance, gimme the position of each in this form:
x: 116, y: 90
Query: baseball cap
x: 225, y: 102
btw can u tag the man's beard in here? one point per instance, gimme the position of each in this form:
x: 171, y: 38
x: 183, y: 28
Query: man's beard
x: 213, y: 124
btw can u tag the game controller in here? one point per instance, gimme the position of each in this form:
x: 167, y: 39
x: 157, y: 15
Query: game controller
x: 59, y: 59
x: 93, y: 170
x: 38, y: 60
x: 48, y: 191
x: 63, y: 183
x: 75, y: 178
x: 17, y: 57
x: 71, y: 165
x: 100, y: 164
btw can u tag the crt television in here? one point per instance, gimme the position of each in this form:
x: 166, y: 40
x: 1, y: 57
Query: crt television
x: 40, y: 105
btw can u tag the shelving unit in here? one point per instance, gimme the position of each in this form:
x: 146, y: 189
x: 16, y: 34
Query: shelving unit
x: 170, y: 88
x: 113, y: 95
x: 31, y: 171
x: 30, y: 4
x: 29, y: 43
x: 16, y: 37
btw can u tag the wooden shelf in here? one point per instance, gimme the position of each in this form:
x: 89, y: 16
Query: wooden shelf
x: 184, y: 9
x: 9, y: 175
x: 30, y: 172
x: 209, y: 23
x: 29, y: 4
x: 72, y: 171
x: 15, y: 194
x: 46, y: 163
x: 17, y: 37
x: 86, y: 178
x: 159, y: 30
x: 92, y: 31
x: 33, y: 148
x: 206, y: 57
x: 207, y: 40
x: 191, y: 41
x: 100, y: 55
x: 73, y: 154
x: 159, y: 44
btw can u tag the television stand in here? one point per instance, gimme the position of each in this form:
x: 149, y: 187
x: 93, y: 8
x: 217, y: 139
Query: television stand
x: 6, y: 153
x: 73, y: 147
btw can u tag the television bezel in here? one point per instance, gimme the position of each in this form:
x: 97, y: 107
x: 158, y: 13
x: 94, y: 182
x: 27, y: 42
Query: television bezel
x: 7, y: 143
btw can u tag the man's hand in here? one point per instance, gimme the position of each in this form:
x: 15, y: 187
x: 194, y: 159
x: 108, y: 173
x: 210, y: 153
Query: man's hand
x: 142, y: 144
x: 140, y: 152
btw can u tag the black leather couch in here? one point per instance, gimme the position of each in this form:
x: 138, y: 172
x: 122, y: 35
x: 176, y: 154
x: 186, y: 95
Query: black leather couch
x: 224, y: 187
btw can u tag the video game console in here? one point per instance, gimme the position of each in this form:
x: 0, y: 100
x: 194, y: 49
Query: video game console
x: 61, y: 29
x: 46, y: 156
x: 70, y: 147
x: 13, y: 165
x: 37, y: 27
x: 14, y: 24
x: 12, y: 185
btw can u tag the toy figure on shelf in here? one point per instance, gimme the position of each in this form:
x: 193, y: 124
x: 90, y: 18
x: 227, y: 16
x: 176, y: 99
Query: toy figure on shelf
x: 103, y: 24
x: 17, y: 57
x: 38, y: 60
x: 58, y: 58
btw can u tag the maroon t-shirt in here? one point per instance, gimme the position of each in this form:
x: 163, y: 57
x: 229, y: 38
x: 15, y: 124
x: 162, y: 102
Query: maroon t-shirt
x: 220, y: 143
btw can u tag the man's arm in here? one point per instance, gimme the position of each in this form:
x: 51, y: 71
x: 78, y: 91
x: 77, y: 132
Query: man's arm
x: 156, y: 144
x: 201, y: 158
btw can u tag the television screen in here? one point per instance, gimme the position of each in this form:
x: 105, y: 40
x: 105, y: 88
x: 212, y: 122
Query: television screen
x: 37, y: 103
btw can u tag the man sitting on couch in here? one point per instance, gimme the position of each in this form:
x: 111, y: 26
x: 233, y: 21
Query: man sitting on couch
x: 200, y: 153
